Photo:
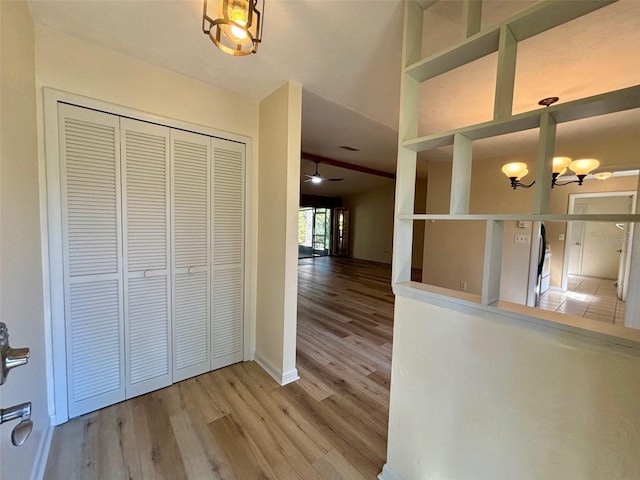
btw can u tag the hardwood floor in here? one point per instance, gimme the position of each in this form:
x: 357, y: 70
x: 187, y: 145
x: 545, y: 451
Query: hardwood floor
x: 237, y: 423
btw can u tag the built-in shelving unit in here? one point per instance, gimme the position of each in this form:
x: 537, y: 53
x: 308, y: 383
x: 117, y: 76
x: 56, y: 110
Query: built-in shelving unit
x: 503, y: 39
x: 612, y: 102
x: 539, y: 18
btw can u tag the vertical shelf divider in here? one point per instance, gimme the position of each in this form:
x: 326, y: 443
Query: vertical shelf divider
x: 492, y: 262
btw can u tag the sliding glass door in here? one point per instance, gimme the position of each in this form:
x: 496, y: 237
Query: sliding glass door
x: 314, y: 231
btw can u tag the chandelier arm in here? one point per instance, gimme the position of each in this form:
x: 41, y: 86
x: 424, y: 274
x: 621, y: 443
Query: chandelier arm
x: 579, y: 182
x: 516, y: 183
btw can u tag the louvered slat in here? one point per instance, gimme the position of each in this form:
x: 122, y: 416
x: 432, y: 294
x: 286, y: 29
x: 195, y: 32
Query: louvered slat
x: 190, y: 196
x: 228, y: 201
x: 147, y: 328
x: 91, y: 197
x: 191, y: 244
x: 192, y: 319
x: 95, y: 352
x: 227, y: 312
x: 146, y: 198
x: 145, y: 177
x: 228, y: 252
x: 91, y: 236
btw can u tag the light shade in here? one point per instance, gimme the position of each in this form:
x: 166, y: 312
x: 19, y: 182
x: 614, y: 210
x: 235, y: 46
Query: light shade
x: 234, y: 26
x: 602, y: 175
x: 515, y: 169
x: 584, y: 165
x: 560, y: 164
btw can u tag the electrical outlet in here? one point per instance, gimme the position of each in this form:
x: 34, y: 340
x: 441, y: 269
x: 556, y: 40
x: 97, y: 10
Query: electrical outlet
x: 463, y: 286
x: 522, y: 238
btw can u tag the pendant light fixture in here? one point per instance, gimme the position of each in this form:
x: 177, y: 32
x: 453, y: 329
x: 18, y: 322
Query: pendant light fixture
x: 582, y: 167
x: 234, y: 26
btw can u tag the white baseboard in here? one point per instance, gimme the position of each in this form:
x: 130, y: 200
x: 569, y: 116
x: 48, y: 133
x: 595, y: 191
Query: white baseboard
x: 276, y: 373
x: 388, y: 473
x: 290, y: 376
x: 42, y: 457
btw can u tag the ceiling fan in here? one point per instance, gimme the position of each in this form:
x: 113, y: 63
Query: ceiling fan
x: 316, y: 178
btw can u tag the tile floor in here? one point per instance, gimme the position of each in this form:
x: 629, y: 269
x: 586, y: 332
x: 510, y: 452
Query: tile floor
x: 593, y: 298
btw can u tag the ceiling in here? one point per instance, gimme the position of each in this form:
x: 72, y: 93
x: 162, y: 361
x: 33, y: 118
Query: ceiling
x: 346, y: 55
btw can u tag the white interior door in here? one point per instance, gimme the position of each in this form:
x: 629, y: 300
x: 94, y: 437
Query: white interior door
x: 92, y: 258
x: 576, y: 242
x: 228, y: 252
x: 146, y: 228
x: 191, y: 160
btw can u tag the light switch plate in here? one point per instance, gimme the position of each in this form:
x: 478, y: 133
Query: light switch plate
x: 561, y: 237
x: 522, y: 238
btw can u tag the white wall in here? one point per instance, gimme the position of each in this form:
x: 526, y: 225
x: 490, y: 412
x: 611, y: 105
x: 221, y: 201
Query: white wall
x: 371, y: 223
x: 279, y: 195
x: 21, y: 300
x: 481, y: 396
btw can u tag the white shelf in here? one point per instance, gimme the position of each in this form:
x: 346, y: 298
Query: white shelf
x: 529, y: 23
x: 616, y: 101
x: 620, y: 218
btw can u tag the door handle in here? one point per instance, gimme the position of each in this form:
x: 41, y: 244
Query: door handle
x: 23, y: 429
x: 10, y: 357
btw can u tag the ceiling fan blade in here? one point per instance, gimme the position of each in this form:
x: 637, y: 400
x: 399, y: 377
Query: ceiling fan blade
x: 308, y: 176
x: 333, y: 179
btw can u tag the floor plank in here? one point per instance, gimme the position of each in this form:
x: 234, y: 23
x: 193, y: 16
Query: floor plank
x: 238, y: 423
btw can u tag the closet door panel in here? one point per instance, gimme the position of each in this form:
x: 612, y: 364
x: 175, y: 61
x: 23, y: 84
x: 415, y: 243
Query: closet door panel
x: 190, y: 157
x: 228, y: 252
x: 192, y: 320
x: 146, y: 193
x: 92, y: 252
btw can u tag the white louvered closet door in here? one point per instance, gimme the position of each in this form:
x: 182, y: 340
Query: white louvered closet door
x: 146, y: 230
x: 228, y: 252
x: 190, y: 165
x: 92, y: 257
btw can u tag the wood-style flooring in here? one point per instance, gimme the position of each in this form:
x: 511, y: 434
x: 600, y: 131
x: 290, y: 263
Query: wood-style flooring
x: 238, y: 423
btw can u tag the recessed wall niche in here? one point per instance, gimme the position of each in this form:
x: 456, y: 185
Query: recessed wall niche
x: 491, y: 191
x: 497, y: 11
x: 460, y: 97
x: 593, y: 54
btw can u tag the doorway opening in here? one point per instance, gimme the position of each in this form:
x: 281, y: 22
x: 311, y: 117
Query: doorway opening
x: 314, y: 232
x: 597, y: 260
x: 599, y: 250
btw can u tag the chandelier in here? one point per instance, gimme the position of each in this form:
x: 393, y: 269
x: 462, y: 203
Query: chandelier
x: 581, y: 168
x: 235, y: 27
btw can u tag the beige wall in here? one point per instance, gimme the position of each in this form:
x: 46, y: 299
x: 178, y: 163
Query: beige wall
x: 371, y: 219
x: 76, y: 66
x: 21, y: 300
x: 454, y: 252
x: 279, y: 194
x: 487, y: 396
